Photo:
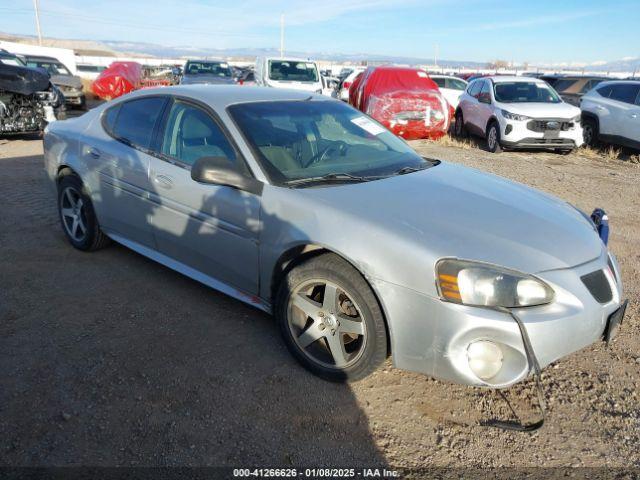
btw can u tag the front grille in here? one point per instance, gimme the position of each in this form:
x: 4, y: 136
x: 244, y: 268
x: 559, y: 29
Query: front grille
x: 547, y: 141
x: 598, y: 285
x: 549, y: 125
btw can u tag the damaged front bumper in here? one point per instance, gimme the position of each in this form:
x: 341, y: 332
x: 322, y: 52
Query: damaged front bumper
x: 434, y: 337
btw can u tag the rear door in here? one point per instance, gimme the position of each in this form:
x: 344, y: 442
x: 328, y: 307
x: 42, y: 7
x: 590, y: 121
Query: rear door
x: 123, y: 163
x: 469, y: 103
x: 619, y: 107
x: 210, y: 228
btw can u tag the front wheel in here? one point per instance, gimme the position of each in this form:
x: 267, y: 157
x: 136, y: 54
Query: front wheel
x: 330, y: 319
x: 589, y: 132
x: 493, y: 138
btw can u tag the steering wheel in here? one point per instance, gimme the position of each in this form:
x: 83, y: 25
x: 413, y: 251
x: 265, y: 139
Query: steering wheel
x: 338, y: 146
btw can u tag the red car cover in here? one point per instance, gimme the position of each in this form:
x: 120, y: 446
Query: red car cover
x: 405, y: 100
x: 119, y: 78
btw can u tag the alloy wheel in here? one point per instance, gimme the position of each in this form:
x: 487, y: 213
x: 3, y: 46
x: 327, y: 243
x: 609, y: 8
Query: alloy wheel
x: 492, y: 138
x: 326, y: 324
x: 73, y: 213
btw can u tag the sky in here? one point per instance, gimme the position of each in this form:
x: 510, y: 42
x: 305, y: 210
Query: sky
x: 534, y: 31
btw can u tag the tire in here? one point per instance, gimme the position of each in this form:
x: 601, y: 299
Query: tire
x: 313, y: 327
x: 459, y: 128
x: 77, y: 216
x: 564, y: 151
x: 493, y: 138
x: 590, y: 132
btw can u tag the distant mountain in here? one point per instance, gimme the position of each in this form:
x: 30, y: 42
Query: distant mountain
x: 250, y: 53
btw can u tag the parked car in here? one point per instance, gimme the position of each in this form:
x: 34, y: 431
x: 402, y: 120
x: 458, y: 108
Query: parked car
x: 89, y: 72
x: 405, y: 100
x: 518, y: 112
x: 206, y: 72
x: 342, y: 92
x: 611, y: 113
x: 70, y: 85
x: 7, y: 58
x: 28, y: 100
x: 451, y: 88
x: 244, y: 189
x: 293, y: 73
x: 572, y: 88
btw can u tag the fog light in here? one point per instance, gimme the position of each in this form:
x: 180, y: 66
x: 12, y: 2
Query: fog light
x: 508, y: 129
x: 485, y: 359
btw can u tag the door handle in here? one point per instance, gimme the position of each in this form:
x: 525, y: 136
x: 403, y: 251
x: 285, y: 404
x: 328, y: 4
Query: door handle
x: 634, y: 115
x: 95, y: 153
x: 598, y: 107
x: 163, y: 181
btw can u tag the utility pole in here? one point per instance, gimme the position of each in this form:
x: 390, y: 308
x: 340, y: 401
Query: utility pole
x: 281, y: 35
x: 36, y: 7
x: 435, y: 56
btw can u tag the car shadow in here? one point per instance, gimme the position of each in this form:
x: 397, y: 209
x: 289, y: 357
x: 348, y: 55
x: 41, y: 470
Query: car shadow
x: 111, y: 359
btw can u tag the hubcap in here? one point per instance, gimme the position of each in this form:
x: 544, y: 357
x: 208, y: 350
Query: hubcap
x: 72, y: 211
x: 326, y: 324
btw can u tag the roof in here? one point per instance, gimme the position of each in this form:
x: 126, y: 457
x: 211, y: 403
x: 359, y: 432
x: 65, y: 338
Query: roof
x: 614, y: 81
x: 512, y: 78
x: 41, y: 58
x: 221, y: 96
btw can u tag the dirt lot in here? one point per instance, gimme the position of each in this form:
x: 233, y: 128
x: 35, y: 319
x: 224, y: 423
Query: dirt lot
x: 110, y: 359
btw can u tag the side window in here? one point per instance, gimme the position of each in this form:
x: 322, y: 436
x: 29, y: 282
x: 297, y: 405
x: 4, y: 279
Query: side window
x: 440, y: 82
x: 474, y: 88
x: 109, y: 118
x: 136, y: 120
x: 485, y: 95
x: 605, y: 91
x: 625, y: 92
x: 191, y: 133
x: 455, y: 84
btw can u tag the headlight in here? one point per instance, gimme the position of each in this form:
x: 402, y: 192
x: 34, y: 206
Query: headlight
x: 485, y: 285
x: 577, y: 119
x: 514, y: 116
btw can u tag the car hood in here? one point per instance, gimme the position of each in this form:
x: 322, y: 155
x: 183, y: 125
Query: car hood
x: 66, y: 81
x: 454, y: 211
x: 304, y: 86
x: 542, y: 110
x: 206, y: 79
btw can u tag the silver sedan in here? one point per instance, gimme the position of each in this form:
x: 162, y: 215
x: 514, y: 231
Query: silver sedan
x: 308, y: 209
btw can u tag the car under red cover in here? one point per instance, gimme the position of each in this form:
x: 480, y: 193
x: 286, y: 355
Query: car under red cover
x: 405, y: 100
x: 116, y: 80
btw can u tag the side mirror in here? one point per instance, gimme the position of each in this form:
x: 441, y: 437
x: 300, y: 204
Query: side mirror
x: 219, y: 171
x: 484, y: 98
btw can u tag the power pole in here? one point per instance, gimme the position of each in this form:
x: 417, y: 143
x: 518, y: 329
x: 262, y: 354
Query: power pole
x: 435, y: 56
x: 281, y: 35
x: 36, y: 7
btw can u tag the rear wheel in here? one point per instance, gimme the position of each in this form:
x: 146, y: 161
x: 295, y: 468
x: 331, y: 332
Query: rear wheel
x: 493, y: 138
x: 590, y: 132
x: 330, y: 319
x: 77, y: 216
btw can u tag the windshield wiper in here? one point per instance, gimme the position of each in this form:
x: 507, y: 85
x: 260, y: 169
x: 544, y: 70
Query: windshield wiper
x: 329, y: 177
x: 405, y: 170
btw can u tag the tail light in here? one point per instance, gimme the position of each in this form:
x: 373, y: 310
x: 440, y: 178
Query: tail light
x: 346, y: 85
x: 240, y: 82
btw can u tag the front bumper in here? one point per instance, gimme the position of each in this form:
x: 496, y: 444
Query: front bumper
x: 431, y: 336
x: 516, y: 134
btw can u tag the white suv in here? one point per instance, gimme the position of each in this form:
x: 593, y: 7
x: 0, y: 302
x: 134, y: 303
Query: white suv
x: 611, y: 112
x: 518, y: 112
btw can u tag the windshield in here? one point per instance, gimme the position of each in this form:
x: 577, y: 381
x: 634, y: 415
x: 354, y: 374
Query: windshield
x: 11, y: 60
x: 296, y: 140
x: 525, y: 92
x: 51, y: 67
x: 218, y: 69
x: 293, y: 71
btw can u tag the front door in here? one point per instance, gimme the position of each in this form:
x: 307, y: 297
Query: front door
x: 210, y: 228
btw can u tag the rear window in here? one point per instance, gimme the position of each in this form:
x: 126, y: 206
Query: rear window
x: 293, y: 71
x: 136, y: 120
x: 563, y: 85
x: 439, y: 81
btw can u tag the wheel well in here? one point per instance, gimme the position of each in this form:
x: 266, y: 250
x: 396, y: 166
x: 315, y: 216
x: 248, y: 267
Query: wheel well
x: 298, y: 254
x: 591, y: 116
x: 63, y: 171
x: 491, y: 121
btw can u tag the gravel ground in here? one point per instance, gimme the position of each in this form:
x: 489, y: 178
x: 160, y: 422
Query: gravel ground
x: 110, y: 359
